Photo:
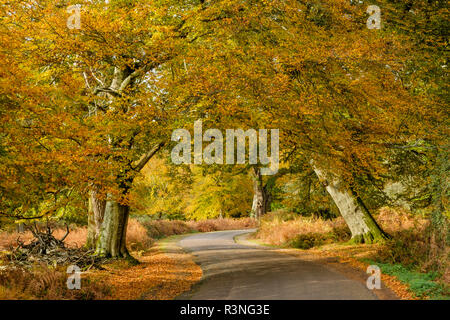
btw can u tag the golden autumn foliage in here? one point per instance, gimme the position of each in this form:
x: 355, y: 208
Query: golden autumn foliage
x: 339, y: 91
x: 85, y: 109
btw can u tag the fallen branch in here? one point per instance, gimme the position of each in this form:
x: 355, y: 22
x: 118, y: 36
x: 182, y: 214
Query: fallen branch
x: 52, y: 251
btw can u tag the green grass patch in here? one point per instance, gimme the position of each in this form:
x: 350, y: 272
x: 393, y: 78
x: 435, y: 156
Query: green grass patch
x: 423, y: 285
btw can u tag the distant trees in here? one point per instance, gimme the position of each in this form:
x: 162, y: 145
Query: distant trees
x: 193, y: 192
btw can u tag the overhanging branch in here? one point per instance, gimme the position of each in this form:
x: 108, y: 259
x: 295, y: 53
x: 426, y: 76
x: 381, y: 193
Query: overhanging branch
x: 146, y: 158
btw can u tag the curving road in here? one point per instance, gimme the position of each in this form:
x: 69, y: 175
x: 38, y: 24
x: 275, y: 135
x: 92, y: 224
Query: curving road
x: 242, y: 272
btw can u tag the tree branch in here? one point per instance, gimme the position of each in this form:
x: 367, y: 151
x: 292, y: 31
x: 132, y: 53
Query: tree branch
x: 146, y: 158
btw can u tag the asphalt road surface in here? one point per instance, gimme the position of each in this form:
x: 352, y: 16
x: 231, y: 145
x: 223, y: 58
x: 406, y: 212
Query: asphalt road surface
x: 246, y: 272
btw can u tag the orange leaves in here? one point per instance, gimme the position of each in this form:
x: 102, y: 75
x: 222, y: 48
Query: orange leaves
x: 84, y: 100
x: 160, y: 276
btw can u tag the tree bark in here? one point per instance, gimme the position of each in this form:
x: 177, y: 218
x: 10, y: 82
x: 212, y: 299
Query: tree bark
x: 96, y: 215
x: 112, y: 237
x: 108, y: 219
x: 362, y: 225
x: 261, y: 196
x: 20, y: 228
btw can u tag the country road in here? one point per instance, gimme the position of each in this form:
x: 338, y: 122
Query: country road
x: 246, y: 272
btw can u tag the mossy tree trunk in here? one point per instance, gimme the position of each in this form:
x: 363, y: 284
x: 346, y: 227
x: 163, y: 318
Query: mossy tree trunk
x: 362, y: 225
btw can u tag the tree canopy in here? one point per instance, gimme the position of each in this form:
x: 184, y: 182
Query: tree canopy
x: 91, y: 91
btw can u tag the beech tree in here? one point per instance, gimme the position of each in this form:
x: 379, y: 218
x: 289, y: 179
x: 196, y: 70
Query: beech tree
x: 108, y: 69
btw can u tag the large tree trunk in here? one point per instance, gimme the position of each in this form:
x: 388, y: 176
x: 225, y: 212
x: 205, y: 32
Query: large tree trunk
x: 362, y: 225
x: 112, y: 237
x: 108, y: 219
x: 261, y: 196
x: 96, y: 214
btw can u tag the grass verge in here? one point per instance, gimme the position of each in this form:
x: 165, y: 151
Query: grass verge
x: 422, y: 285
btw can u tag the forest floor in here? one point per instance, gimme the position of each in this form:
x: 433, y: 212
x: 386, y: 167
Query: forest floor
x: 162, y: 274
